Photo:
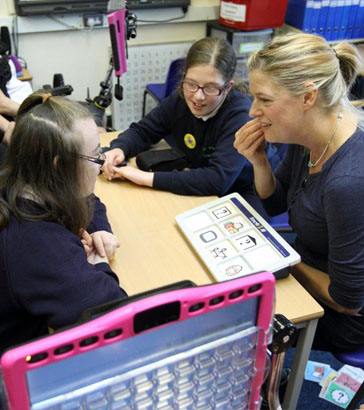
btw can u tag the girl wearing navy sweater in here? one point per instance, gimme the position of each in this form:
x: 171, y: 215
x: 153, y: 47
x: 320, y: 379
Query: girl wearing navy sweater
x: 55, y: 240
x: 201, y: 118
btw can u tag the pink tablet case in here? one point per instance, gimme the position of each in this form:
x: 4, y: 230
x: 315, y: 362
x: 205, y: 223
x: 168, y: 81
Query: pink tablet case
x: 121, y: 324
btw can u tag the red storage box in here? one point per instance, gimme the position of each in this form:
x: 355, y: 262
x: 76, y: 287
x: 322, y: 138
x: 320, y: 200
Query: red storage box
x: 252, y: 14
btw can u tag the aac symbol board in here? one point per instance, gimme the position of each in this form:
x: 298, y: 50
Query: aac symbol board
x: 234, y: 240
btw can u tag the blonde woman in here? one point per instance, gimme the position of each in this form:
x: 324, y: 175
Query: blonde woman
x: 300, y: 86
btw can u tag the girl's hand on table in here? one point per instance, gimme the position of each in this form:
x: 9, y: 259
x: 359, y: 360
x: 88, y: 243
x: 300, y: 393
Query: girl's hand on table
x: 114, y: 157
x: 102, y: 243
x: 135, y: 175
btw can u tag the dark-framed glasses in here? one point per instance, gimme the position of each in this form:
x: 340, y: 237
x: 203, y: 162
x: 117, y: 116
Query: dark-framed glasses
x: 210, y: 90
x: 100, y: 159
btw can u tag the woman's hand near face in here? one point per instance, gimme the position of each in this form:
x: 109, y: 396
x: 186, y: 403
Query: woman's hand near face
x: 249, y: 141
x: 135, y: 175
x: 113, y: 157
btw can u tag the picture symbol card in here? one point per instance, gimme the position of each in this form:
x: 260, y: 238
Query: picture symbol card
x: 233, y: 240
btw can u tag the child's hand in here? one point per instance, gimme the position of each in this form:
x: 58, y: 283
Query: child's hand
x: 113, y: 157
x: 135, y: 175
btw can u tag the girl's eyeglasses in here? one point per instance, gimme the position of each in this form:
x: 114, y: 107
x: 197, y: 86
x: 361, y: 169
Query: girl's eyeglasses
x: 100, y: 159
x: 209, y: 90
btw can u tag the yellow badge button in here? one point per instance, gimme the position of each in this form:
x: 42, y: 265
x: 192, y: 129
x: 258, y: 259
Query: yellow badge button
x: 190, y: 141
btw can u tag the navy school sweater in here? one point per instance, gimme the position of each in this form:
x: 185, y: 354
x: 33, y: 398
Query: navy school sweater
x: 46, y: 279
x: 216, y: 168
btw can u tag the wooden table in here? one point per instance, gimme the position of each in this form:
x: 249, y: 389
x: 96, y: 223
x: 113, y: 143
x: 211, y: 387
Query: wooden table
x: 26, y: 75
x: 154, y: 253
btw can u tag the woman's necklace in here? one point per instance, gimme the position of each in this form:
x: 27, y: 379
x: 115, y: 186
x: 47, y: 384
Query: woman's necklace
x: 311, y: 164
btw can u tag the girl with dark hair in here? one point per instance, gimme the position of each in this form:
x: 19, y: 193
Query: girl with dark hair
x: 201, y: 118
x: 55, y: 239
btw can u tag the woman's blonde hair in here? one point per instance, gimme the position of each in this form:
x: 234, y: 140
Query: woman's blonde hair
x: 293, y: 60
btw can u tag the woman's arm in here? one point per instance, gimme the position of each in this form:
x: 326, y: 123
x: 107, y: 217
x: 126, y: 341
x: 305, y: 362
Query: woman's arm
x: 249, y: 141
x: 343, y: 204
x: 342, y: 287
x: 8, y: 106
x: 6, y: 128
x: 3, y: 123
x: 317, y: 284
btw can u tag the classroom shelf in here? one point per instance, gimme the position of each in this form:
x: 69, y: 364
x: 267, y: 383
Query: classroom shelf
x: 286, y: 28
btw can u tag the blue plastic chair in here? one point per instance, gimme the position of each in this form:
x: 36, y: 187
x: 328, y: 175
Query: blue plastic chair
x: 159, y: 91
x: 280, y: 223
x: 356, y: 359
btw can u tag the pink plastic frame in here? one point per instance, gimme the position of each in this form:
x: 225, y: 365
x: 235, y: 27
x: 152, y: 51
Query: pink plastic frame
x: 15, y: 366
x: 118, y: 40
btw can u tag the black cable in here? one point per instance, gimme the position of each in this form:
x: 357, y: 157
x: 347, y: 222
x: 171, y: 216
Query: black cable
x: 163, y: 21
x: 15, y: 35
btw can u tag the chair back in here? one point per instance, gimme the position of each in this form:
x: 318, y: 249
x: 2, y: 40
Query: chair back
x: 174, y: 75
x: 354, y: 358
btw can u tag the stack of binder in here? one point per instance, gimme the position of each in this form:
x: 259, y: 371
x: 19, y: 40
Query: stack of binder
x: 332, y: 19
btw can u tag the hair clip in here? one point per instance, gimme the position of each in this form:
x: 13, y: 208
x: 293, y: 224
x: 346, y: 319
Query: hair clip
x: 46, y: 97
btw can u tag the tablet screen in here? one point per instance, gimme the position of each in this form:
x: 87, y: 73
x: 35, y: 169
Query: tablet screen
x: 82, y: 372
